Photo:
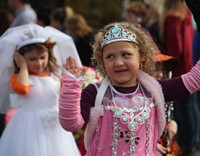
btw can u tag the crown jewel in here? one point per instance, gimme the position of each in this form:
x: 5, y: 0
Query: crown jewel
x: 117, y: 33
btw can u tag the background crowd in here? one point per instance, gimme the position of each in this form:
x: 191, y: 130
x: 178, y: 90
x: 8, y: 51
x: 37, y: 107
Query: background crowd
x: 170, y: 22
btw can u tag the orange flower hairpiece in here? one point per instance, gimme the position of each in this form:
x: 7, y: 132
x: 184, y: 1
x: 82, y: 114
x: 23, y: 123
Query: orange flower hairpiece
x: 49, y: 44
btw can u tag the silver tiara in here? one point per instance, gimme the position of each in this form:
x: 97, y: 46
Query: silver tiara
x: 117, y: 33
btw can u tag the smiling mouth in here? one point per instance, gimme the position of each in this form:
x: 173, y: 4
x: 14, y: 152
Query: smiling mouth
x: 120, y: 71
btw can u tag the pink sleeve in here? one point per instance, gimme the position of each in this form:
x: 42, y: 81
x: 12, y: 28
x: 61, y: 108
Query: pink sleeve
x: 191, y: 79
x: 69, y: 104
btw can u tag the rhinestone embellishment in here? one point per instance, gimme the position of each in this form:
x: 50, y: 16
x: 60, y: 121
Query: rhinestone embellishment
x: 117, y: 33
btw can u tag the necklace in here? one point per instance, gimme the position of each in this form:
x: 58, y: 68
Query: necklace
x: 132, y: 117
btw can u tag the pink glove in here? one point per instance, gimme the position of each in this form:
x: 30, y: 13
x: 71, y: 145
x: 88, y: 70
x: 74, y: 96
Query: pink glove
x: 69, y: 104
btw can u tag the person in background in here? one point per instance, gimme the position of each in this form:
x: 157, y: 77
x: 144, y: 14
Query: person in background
x: 136, y: 13
x: 57, y: 19
x: 24, y: 13
x: 167, y: 143
x: 5, y: 21
x: 177, y: 42
x: 194, y: 6
x: 153, y: 13
x: 83, y: 37
x: 69, y: 11
x: 43, y: 16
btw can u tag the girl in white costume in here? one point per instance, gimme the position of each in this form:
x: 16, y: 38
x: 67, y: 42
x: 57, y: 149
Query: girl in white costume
x: 34, y: 129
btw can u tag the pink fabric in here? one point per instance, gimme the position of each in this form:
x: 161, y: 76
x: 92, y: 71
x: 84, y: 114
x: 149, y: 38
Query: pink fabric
x: 69, y: 104
x: 152, y: 85
x: 95, y: 113
x: 191, y: 79
x: 101, y: 143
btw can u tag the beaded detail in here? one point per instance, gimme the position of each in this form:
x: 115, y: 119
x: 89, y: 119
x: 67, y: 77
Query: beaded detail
x: 117, y: 33
x: 127, y: 116
x: 133, y: 118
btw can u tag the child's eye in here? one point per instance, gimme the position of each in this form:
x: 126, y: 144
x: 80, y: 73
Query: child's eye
x: 125, y: 54
x: 109, y: 57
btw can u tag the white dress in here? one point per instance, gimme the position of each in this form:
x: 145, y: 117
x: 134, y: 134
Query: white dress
x: 34, y: 129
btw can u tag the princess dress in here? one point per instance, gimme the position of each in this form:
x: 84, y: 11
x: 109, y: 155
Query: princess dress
x: 34, y: 129
x: 135, y: 126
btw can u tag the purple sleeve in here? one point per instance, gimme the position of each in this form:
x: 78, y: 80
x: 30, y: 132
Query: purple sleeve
x: 87, y: 101
x: 174, y: 89
x: 182, y: 86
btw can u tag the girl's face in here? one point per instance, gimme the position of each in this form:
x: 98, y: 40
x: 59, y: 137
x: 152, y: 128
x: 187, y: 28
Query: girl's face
x: 37, y: 61
x: 121, y: 61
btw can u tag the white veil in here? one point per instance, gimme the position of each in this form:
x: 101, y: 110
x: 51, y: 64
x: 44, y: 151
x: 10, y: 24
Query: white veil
x: 13, y: 37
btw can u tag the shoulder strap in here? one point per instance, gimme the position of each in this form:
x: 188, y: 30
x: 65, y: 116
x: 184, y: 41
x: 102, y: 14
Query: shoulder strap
x: 100, y: 92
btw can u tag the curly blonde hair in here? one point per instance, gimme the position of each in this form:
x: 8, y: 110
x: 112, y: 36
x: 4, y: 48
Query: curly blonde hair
x: 146, y: 47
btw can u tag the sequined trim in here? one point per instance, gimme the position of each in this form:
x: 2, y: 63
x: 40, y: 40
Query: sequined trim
x: 133, y: 118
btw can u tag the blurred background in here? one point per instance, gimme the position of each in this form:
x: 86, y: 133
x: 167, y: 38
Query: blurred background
x: 97, y: 12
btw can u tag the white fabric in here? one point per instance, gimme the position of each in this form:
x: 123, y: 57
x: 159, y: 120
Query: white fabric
x: 30, y: 41
x: 101, y: 92
x: 16, y: 36
x: 34, y: 130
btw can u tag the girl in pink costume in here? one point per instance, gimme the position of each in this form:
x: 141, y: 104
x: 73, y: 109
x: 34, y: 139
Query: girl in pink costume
x: 124, y: 113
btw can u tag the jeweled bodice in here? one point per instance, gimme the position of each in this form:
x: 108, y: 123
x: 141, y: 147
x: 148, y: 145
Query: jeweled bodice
x: 131, y: 109
x: 126, y: 122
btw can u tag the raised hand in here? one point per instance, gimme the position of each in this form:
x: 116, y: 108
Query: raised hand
x: 19, y: 60
x: 72, y: 67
